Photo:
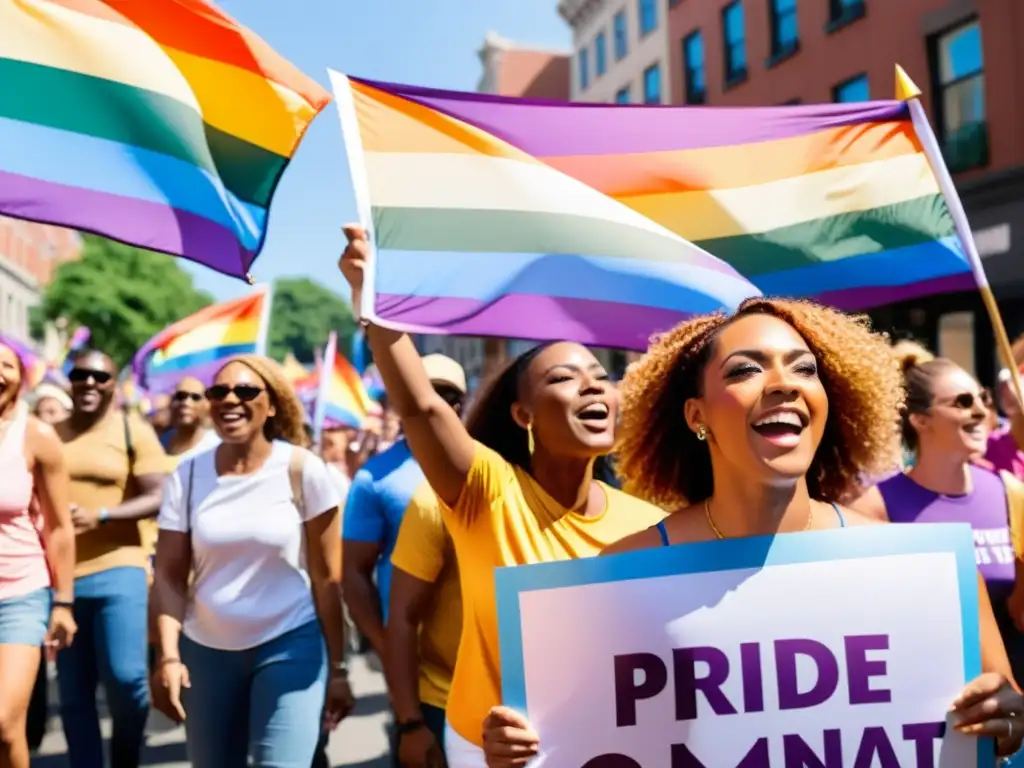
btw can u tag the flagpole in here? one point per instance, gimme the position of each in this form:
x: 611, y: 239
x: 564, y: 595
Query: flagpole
x: 908, y: 92
x: 264, y: 332
x: 323, y: 387
x: 356, y: 155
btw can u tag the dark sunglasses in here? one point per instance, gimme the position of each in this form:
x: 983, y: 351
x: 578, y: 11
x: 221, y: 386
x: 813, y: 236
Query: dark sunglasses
x: 244, y: 392
x: 965, y: 401
x: 82, y: 375
x: 180, y: 397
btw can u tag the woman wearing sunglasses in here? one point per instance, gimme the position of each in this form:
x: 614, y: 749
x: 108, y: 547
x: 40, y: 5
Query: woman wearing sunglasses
x: 36, y: 580
x: 946, y: 428
x: 248, y: 569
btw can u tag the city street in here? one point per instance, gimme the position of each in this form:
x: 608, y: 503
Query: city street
x: 359, y: 742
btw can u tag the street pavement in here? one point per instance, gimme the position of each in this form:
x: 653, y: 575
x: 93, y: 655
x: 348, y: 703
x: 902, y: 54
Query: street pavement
x: 359, y: 742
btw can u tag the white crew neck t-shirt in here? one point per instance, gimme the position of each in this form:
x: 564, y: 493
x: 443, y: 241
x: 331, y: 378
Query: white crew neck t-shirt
x: 250, y: 584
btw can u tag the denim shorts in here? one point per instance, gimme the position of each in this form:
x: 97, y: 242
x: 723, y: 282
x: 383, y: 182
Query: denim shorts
x: 25, y: 619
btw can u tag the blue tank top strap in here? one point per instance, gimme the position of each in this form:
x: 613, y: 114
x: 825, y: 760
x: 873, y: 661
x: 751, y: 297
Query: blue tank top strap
x: 839, y: 514
x: 663, y: 533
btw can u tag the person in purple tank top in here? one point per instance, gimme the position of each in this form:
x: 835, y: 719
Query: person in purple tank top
x: 946, y: 425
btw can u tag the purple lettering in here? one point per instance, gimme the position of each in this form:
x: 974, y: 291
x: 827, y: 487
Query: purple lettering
x: 860, y: 669
x: 757, y: 757
x: 827, y: 681
x: 628, y: 692
x: 874, y: 743
x: 924, y: 736
x: 753, y: 679
x: 612, y: 761
x: 684, y: 662
x: 800, y: 755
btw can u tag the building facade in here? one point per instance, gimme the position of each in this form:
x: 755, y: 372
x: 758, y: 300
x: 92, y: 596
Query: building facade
x: 29, y: 254
x: 507, y: 69
x: 965, y: 56
x: 620, y: 50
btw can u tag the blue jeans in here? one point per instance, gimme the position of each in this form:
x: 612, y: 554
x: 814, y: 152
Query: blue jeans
x: 266, y: 701
x: 110, y: 648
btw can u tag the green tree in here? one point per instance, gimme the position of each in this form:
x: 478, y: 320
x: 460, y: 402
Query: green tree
x: 302, y: 314
x: 124, y: 295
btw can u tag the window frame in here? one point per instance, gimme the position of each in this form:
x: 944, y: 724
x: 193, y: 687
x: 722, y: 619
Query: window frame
x: 655, y: 67
x: 600, y: 54
x: 838, y: 87
x: 777, y: 47
x: 691, y: 95
x: 583, y: 68
x: 939, y: 89
x: 733, y: 75
x: 623, y: 52
x: 651, y: 6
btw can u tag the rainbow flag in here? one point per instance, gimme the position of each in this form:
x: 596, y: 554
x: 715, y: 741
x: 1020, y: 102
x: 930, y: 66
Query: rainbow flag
x: 201, y: 343
x: 161, y: 123
x: 594, y: 222
x: 342, y: 399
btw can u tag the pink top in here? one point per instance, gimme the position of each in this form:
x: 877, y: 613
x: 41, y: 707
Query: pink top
x: 23, y: 566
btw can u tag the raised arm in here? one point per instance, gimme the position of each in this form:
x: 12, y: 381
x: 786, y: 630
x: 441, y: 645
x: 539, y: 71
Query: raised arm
x: 436, y: 436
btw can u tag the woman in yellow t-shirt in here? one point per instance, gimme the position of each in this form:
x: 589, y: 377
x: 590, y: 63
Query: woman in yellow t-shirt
x: 518, y: 487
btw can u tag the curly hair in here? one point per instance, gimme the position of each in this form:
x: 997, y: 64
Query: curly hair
x: 661, y: 459
x: 288, y: 423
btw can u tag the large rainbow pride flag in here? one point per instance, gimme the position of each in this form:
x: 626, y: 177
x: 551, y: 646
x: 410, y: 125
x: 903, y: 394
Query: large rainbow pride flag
x: 201, y: 343
x: 160, y: 123
x: 499, y: 216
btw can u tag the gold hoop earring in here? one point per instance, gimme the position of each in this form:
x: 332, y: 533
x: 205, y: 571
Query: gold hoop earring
x: 702, y: 433
x: 529, y: 438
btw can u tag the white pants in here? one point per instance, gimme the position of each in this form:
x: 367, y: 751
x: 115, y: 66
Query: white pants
x: 462, y: 753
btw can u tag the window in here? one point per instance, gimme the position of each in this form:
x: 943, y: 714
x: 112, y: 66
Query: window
x: 583, y: 69
x: 622, y: 96
x: 693, y: 65
x: 621, y: 39
x: 652, y: 85
x: 854, y: 89
x: 960, y: 77
x: 648, y: 13
x: 845, y: 10
x: 785, y: 32
x: 734, y: 39
x: 600, y: 54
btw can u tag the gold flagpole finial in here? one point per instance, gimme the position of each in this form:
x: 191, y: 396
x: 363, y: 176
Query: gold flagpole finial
x: 906, y: 89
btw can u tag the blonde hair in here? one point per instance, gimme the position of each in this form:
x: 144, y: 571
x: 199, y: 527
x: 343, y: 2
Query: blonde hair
x: 663, y: 462
x: 909, y: 353
x: 289, y: 419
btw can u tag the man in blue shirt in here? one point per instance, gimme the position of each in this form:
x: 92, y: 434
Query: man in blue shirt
x: 377, y: 500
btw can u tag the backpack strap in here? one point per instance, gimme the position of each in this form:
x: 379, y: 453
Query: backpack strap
x: 1015, y: 510
x: 129, y: 447
x: 188, y: 498
x: 296, y: 464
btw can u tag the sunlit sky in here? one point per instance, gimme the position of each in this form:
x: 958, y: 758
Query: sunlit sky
x: 423, y: 42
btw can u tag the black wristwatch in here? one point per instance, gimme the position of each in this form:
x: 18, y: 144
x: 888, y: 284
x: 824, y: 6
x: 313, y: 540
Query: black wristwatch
x: 409, y: 726
x: 69, y: 604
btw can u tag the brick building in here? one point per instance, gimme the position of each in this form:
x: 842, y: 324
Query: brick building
x: 967, y: 59
x: 29, y: 254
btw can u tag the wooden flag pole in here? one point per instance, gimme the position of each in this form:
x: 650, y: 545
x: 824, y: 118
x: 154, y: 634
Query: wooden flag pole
x: 907, y: 91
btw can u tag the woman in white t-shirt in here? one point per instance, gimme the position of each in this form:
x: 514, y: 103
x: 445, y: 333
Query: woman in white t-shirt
x: 254, y: 524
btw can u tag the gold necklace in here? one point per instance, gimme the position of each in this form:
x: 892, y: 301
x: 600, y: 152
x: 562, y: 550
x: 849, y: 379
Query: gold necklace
x: 719, y: 534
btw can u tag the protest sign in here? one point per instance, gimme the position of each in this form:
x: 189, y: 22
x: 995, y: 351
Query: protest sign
x: 831, y: 649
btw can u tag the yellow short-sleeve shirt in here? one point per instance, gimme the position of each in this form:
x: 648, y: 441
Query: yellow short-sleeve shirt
x: 505, y: 518
x: 424, y: 550
x: 101, y: 477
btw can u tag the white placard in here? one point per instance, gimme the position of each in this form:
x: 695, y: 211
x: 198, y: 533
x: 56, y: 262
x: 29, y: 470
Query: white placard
x: 838, y: 649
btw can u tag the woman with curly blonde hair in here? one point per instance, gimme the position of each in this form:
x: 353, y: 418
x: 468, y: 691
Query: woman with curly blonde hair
x: 248, y: 568
x: 762, y: 423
